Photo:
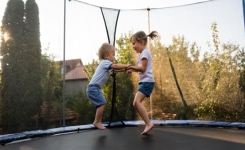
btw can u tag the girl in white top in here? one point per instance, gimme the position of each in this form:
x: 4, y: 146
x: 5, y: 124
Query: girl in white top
x: 144, y: 68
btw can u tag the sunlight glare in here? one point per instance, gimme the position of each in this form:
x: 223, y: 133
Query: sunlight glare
x: 6, y: 36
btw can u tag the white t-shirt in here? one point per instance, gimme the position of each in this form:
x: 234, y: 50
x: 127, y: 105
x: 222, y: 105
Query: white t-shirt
x: 147, y: 76
x: 102, y: 73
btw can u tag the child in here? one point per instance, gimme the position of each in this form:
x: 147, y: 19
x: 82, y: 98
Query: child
x: 144, y: 68
x: 100, y: 77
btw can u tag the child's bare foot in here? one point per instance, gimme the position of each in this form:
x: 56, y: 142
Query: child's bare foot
x: 99, y: 126
x: 147, y: 129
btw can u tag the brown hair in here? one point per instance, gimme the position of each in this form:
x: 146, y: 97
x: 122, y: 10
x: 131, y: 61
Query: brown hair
x: 105, y: 49
x: 141, y: 36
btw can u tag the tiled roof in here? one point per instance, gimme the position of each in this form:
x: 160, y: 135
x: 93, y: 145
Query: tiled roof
x: 71, y: 62
x: 76, y: 73
x: 55, y: 115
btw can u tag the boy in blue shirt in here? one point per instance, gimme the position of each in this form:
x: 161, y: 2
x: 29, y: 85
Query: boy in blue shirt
x: 100, y: 77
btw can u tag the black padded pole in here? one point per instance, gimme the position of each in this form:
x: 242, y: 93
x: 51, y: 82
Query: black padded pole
x: 113, y: 103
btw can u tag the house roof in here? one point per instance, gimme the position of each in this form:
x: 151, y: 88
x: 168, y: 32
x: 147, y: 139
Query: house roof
x: 55, y: 114
x: 74, y: 69
x: 72, y: 62
x: 76, y: 73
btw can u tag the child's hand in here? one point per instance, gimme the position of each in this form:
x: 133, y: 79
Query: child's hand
x: 129, y: 71
x: 127, y: 67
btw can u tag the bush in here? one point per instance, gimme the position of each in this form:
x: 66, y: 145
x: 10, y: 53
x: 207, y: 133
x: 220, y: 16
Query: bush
x: 215, y: 110
x: 84, y: 107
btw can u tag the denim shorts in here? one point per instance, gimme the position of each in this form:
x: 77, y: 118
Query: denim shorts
x: 146, y: 88
x: 95, y: 95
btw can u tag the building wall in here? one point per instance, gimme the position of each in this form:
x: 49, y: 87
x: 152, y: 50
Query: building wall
x: 75, y: 86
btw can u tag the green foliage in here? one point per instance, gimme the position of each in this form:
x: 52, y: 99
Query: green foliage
x: 170, y: 70
x: 125, y: 86
x: 90, y: 68
x: 83, y: 106
x: 217, y: 111
x: 21, y: 80
x: 51, y: 89
x: 32, y: 62
x: 13, y: 76
x: 242, y: 72
x: 219, y: 91
x: 1, y: 103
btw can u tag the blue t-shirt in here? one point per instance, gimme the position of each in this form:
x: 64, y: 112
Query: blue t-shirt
x: 102, y: 73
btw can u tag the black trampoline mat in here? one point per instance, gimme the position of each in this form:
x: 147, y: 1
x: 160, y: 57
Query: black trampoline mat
x: 129, y: 138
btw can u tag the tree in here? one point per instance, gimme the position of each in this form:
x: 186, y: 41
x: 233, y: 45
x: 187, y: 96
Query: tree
x: 125, y: 87
x: 12, y: 48
x: 174, y: 72
x: 51, y: 82
x: 21, y: 51
x: 83, y: 106
x: 32, y: 55
x: 219, y: 88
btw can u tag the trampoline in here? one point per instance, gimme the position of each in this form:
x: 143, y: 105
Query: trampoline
x: 126, y: 135
x: 169, y: 134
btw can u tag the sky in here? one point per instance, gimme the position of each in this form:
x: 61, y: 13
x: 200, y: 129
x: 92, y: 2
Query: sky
x: 85, y: 30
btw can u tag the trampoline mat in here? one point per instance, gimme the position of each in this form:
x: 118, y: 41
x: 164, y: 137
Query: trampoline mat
x: 129, y: 138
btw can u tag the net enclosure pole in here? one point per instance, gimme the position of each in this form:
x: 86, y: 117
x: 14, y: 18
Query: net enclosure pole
x: 148, y: 44
x: 64, y: 65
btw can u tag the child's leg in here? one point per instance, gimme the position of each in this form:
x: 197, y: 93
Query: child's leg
x: 98, y: 117
x: 142, y: 111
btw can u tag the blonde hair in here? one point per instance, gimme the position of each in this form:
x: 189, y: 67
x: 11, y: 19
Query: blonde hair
x: 105, y: 48
x: 141, y: 36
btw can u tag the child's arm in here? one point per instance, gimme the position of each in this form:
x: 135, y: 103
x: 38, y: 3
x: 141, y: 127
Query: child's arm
x: 119, y: 70
x: 119, y: 67
x: 141, y: 68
